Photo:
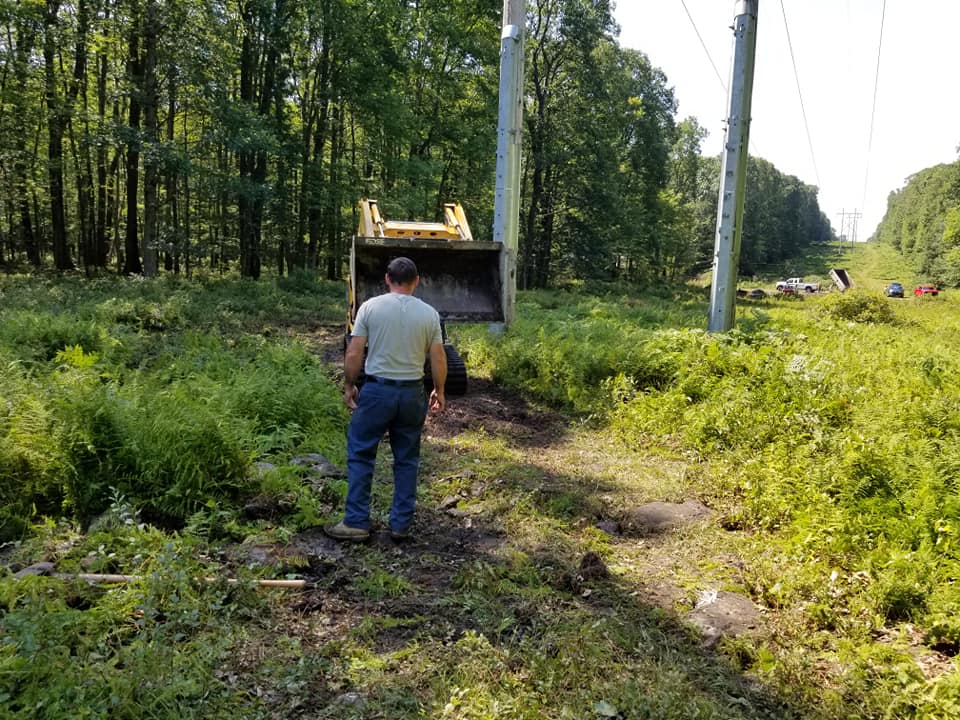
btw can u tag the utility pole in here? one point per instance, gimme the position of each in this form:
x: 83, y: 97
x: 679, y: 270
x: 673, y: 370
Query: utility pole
x: 733, y: 170
x: 854, y: 216
x: 843, y: 219
x: 506, y: 209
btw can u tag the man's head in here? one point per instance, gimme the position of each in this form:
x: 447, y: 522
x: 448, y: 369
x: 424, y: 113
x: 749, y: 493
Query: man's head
x: 402, y: 271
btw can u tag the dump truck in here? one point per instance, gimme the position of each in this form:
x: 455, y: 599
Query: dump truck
x: 841, y: 279
x: 460, y: 277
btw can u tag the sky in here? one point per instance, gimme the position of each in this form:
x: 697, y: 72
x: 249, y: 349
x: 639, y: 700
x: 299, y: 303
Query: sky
x: 836, y: 44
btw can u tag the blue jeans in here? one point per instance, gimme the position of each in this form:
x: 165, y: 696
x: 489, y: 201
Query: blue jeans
x: 399, y: 411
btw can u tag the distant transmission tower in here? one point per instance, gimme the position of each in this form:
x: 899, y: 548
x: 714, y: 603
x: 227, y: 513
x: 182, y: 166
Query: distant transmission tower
x: 852, y: 216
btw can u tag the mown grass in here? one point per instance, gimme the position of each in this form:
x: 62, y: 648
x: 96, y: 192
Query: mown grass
x: 822, y: 431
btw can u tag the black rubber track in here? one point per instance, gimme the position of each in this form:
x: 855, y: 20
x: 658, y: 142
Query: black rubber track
x: 456, y: 373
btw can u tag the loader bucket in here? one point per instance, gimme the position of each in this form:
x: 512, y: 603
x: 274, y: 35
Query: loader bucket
x: 459, y: 278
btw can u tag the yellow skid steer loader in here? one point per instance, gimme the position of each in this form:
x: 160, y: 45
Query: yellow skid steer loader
x: 459, y: 276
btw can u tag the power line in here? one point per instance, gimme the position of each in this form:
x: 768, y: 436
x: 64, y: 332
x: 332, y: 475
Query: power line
x: 704, y: 45
x: 873, y: 110
x: 796, y: 76
x: 753, y: 145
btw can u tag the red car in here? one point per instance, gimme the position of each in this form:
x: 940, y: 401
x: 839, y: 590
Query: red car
x: 922, y: 290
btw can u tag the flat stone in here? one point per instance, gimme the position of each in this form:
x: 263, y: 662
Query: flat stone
x: 258, y: 555
x: 40, y: 568
x: 313, y: 543
x: 657, y: 517
x: 449, y: 502
x: 265, y: 507
x: 319, y: 465
x: 724, y: 614
x: 350, y: 698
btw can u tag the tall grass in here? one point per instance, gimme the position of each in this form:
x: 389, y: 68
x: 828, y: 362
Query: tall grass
x: 160, y: 390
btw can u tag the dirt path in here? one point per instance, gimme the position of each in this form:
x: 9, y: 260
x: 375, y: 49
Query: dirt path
x: 492, y: 449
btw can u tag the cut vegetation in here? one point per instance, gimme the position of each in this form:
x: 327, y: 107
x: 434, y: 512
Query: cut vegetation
x: 627, y: 517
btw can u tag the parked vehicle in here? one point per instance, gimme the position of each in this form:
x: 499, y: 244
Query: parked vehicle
x: 841, y: 278
x: 895, y: 289
x: 798, y: 285
x: 922, y: 290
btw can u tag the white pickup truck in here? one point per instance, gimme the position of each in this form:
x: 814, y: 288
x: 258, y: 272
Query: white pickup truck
x: 797, y: 285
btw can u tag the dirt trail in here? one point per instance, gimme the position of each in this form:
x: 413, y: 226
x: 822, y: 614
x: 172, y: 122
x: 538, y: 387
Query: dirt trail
x: 574, y: 469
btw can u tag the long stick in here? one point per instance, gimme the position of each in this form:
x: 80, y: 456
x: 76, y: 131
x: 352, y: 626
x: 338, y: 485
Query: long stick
x: 107, y: 578
x: 46, y: 569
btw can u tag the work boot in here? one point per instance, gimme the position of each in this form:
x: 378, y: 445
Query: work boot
x: 342, y: 531
x: 400, y: 535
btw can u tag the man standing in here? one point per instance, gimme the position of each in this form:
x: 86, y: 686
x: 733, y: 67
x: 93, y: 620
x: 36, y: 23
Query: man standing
x: 399, y: 332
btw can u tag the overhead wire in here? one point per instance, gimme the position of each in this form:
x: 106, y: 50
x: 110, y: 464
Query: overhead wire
x: 704, y: 46
x: 803, y: 110
x: 873, y: 109
x: 712, y: 63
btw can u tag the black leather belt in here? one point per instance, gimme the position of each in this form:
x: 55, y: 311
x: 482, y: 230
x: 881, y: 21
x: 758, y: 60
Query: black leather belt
x: 389, y: 381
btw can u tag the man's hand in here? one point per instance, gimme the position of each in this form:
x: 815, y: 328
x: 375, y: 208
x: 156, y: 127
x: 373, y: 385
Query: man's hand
x: 438, y: 371
x: 352, y: 366
x: 437, y: 401
x: 350, y: 393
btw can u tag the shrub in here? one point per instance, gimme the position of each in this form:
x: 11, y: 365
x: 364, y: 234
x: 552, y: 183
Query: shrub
x: 143, y: 314
x: 39, y: 336
x: 859, y: 307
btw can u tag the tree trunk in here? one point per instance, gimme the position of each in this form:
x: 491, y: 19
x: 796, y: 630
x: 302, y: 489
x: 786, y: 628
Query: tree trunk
x: 113, y: 209
x: 56, y: 117
x: 531, y: 236
x: 25, y: 229
x: 314, y: 203
x: 548, y: 213
x: 100, y: 245
x: 132, y: 264
x: 172, y: 258
x: 151, y: 177
x: 85, y: 199
x: 282, y: 201
x: 247, y: 160
x: 186, y: 201
x: 333, y: 196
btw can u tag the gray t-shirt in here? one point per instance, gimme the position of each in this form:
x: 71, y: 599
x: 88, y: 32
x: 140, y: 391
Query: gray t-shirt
x: 400, y: 330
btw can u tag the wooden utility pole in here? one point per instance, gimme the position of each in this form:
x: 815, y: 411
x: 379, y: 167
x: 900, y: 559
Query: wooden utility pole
x: 854, y: 216
x: 506, y: 211
x: 733, y: 170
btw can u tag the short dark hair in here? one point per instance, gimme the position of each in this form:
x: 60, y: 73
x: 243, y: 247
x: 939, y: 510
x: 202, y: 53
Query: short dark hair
x: 402, y: 271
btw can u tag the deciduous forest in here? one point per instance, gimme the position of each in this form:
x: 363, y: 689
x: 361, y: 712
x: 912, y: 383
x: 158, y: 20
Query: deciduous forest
x: 923, y: 223
x: 141, y: 136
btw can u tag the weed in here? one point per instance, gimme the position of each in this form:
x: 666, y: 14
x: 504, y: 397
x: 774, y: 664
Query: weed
x: 378, y: 584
